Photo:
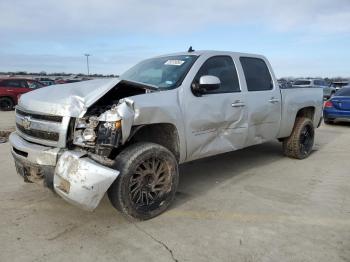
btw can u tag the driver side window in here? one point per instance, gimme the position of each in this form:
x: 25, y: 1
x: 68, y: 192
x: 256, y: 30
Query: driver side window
x: 223, y: 68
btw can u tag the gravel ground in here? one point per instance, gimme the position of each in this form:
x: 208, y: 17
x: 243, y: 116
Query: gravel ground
x: 249, y: 205
x: 7, y: 124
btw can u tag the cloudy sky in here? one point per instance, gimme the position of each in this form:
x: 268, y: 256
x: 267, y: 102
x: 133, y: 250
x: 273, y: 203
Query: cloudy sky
x: 300, y: 37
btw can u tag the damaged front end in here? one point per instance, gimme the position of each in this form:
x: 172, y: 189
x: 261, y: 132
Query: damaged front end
x: 101, y: 134
x: 85, y: 172
x: 95, y: 122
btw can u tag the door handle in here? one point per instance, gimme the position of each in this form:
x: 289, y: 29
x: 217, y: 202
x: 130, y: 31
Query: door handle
x: 237, y: 103
x: 274, y: 100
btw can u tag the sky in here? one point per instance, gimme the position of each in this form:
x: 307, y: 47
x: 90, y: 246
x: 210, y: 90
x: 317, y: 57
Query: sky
x: 300, y: 38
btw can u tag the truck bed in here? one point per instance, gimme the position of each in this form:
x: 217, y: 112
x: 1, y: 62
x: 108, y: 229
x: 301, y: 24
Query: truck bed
x: 295, y: 98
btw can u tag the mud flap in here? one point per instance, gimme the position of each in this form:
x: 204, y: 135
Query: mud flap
x: 82, y: 181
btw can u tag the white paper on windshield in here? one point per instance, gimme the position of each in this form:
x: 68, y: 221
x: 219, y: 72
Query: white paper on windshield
x: 174, y: 62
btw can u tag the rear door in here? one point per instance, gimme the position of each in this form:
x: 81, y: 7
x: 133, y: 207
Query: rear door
x: 216, y: 121
x: 264, y: 101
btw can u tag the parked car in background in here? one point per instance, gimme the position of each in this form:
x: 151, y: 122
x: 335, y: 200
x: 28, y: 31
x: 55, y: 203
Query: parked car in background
x: 328, y: 90
x: 338, y: 107
x: 340, y: 84
x: 66, y: 81
x: 59, y: 81
x: 284, y: 83
x: 12, y: 88
x: 46, y: 81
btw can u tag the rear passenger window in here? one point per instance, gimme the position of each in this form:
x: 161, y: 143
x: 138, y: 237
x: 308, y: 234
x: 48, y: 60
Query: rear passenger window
x: 223, y: 68
x: 256, y: 73
x: 11, y: 83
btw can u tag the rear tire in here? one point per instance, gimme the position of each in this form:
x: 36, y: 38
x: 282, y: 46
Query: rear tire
x: 299, y: 144
x: 147, y: 182
x: 6, y: 104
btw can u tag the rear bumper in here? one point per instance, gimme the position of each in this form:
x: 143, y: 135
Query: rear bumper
x: 71, y: 174
x: 335, y: 113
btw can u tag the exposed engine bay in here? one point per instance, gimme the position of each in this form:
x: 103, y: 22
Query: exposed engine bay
x: 107, y: 123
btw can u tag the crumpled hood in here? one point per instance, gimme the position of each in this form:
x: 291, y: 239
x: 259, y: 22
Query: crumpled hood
x: 67, y: 99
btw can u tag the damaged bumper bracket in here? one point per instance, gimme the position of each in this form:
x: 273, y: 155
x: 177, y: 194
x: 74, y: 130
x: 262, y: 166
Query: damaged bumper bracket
x: 82, y: 181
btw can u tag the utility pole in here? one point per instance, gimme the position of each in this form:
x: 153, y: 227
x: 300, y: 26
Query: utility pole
x: 87, y: 63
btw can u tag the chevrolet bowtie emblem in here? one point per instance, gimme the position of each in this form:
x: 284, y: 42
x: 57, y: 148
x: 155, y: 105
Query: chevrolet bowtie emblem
x: 26, y: 122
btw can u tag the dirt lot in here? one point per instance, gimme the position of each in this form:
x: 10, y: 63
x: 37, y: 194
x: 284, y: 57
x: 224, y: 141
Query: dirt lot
x: 250, y: 205
x: 6, y: 123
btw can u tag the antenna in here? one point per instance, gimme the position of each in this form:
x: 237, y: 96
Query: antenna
x: 190, y: 49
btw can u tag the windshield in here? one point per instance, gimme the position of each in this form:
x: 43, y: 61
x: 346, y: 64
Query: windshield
x: 345, y: 91
x: 162, y: 72
x: 301, y: 83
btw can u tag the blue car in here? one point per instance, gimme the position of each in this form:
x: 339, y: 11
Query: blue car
x: 338, y: 106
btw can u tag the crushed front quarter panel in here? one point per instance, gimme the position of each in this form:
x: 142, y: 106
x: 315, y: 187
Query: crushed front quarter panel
x: 125, y: 112
x: 82, y: 181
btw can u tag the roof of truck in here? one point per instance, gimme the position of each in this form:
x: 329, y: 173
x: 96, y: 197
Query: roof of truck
x: 211, y: 52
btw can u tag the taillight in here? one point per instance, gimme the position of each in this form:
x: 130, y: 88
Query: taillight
x: 328, y: 104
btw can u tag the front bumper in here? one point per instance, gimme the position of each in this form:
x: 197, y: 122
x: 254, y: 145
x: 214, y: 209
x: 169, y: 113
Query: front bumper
x: 82, y: 181
x: 71, y: 174
x: 35, y: 163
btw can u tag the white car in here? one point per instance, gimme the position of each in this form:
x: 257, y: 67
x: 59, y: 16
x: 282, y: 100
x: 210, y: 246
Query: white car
x: 328, y: 90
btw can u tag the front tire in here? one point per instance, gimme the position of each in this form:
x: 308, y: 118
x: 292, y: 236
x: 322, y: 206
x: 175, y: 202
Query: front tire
x: 147, y: 182
x: 299, y: 144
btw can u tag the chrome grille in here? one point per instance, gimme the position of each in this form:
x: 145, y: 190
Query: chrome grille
x: 52, y: 136
x: 57, y: 119
x: 41, y: 128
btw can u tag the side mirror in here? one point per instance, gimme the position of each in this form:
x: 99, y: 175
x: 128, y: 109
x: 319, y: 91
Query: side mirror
x: 206, y: 83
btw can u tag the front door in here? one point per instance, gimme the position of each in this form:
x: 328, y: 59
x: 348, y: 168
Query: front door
x: 216, y: 121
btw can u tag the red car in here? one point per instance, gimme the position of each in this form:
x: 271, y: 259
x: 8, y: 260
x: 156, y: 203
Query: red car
x: 12, y: 88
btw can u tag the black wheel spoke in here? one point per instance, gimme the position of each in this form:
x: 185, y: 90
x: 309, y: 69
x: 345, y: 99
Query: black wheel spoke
x: 306, y: 139
x: 151, y: 180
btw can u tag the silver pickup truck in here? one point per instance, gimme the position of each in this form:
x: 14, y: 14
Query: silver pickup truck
x: 127, y: 136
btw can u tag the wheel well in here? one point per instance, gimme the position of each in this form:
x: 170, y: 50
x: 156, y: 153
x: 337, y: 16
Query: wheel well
x: 308, y: 112
x: 163, y: 134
